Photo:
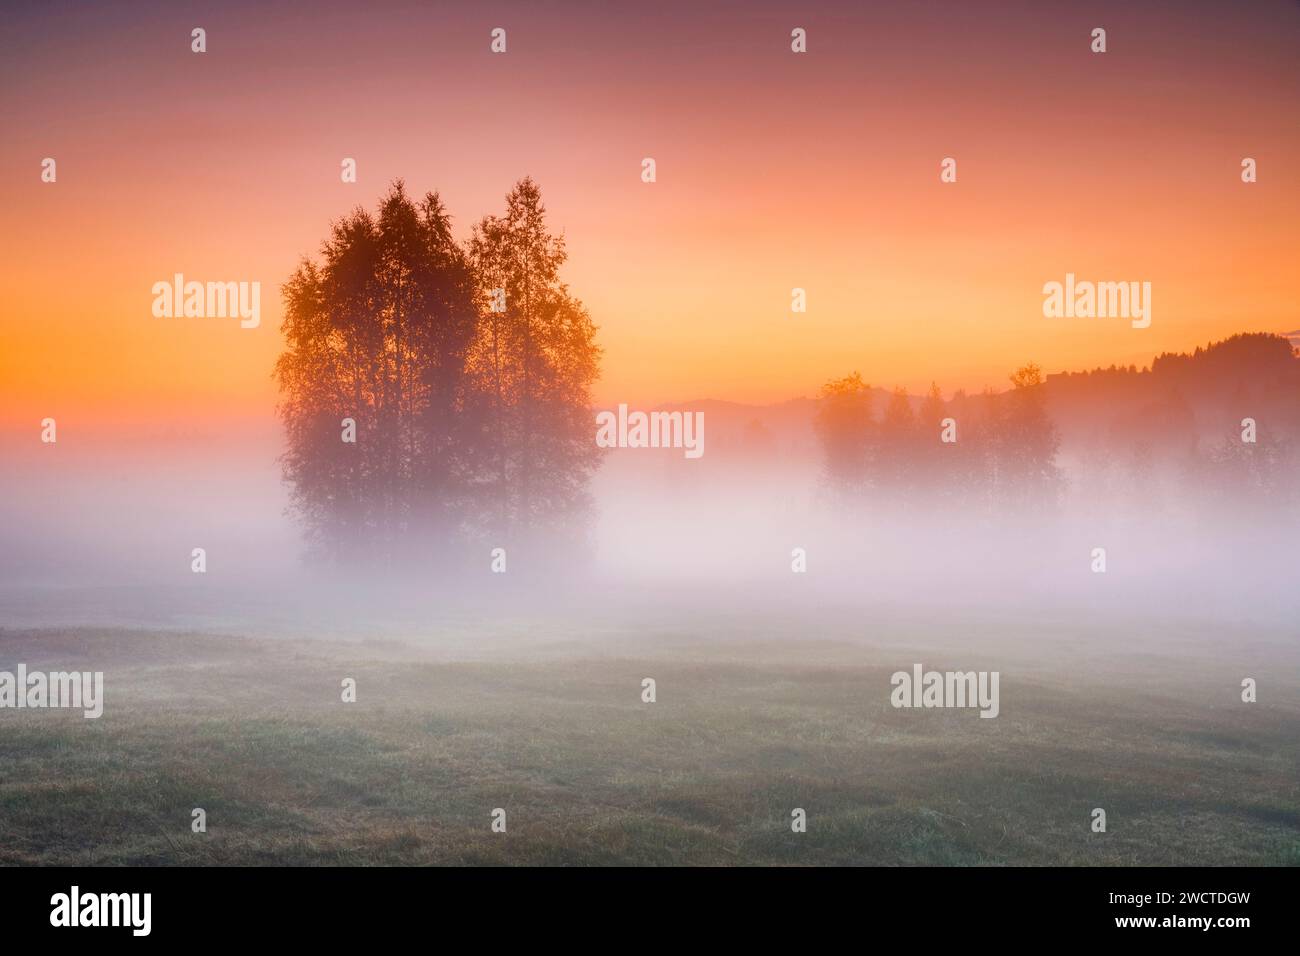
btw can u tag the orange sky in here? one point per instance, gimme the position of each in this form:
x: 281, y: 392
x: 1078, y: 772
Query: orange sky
x: 774, y: 171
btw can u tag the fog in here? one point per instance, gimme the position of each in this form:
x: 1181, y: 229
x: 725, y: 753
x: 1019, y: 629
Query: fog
x: 99, y: 529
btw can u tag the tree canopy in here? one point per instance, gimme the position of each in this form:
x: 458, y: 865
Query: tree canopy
x: 432, y: 392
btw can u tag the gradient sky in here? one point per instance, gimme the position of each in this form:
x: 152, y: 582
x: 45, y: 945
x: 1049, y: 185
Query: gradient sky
x: 774, y: 171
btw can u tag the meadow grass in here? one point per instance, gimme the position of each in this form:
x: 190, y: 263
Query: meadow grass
x: 255, y: 733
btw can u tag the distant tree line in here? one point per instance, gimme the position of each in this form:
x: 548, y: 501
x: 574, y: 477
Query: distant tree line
x: 1217, y: 429
x: 997, y: 451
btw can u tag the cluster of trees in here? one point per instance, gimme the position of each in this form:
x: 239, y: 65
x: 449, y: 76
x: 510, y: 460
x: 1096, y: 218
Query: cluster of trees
x: 1214, y: 430
x: 435, y: 392
x: 1217, y: 428
x: 997, y: 451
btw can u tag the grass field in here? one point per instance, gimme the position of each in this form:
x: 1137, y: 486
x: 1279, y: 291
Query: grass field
x: 743, y: 731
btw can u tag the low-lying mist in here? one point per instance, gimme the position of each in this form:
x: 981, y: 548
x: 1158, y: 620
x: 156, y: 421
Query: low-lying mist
x: 100, y: 532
